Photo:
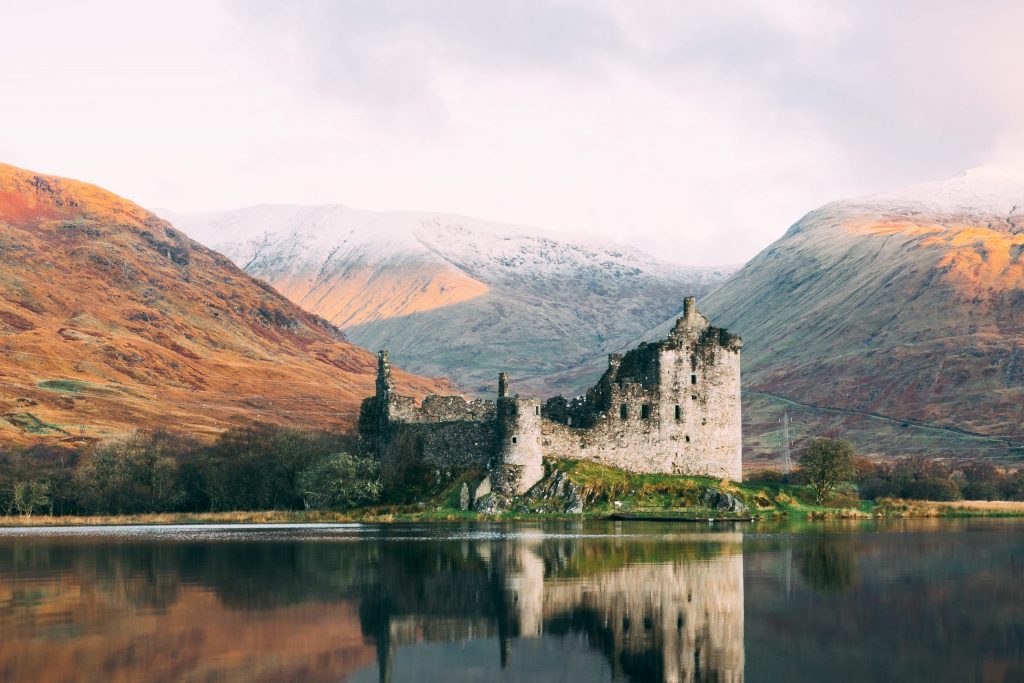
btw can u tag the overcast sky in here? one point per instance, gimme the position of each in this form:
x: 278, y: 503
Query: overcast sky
x: 698, y: 131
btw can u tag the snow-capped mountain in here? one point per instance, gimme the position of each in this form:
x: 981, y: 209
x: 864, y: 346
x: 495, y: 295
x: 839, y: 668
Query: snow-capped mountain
x: 895, y: 319
x: 456, y: 296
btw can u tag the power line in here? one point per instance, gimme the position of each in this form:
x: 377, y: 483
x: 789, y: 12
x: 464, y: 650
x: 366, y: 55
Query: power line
x: 786, y: 443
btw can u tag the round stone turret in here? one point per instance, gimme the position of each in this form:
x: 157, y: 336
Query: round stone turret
x: 518, y: 463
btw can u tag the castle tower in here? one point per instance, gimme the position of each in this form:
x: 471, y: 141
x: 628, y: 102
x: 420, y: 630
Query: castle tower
x: 385, y: 385
x: 614, y: 361
x: 699, y: 396
x: 518, y: 462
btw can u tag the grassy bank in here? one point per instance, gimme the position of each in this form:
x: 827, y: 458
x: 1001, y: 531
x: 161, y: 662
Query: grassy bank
x: 603, y: 491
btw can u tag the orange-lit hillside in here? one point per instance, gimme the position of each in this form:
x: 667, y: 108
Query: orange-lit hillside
x: 110, y: 319
x: 894, y: 317
x: 369, y: 294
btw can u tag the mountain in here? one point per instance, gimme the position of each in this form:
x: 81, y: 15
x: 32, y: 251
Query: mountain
x: 896, y: 320
x: 457, y: 296
x: 110, y: 319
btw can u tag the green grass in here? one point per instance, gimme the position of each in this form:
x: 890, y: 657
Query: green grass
x: 607, y: 490
x: 29, y: 423
x: 65, y: 386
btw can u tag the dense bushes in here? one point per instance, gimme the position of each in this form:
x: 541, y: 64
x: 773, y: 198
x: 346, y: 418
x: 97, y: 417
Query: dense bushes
x: 253, y: 468
x: 137, y: 474
x: 919, y: 478
x: 340, y: 481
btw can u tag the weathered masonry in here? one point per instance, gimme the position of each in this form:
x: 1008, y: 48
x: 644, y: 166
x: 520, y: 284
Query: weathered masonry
x: 672, y: 406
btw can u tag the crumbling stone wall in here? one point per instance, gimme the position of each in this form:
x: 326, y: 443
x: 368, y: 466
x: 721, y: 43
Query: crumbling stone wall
x: 448, y: 432
x: 451, y: 446
x: 673, y: 406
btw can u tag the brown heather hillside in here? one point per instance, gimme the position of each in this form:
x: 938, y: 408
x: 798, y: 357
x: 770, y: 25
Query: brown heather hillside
x: 110, y: 319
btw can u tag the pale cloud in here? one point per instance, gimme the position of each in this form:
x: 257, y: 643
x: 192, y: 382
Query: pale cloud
x: 696, y: 130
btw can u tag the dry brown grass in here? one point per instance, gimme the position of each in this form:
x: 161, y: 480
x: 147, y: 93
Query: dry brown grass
x: 894, y: 507
x: 261, y: 517
x: 1016, y: 506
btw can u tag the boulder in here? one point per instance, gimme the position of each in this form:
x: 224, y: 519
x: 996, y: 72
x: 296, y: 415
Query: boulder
x: 482, y: 489
x: 573, y: 504
x: 492, y: 504
x: 720, y: 500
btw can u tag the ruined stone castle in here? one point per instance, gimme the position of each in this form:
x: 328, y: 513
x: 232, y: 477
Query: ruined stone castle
x: 672, y: 406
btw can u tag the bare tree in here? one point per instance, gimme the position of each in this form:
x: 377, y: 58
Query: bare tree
x: 827, y: 463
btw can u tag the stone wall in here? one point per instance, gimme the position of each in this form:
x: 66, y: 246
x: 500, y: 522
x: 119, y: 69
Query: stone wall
x: 447, y: 432
x: 441, y: 409
x: 449, y: 446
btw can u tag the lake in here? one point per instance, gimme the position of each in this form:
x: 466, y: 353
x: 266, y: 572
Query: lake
x: 916, y: 600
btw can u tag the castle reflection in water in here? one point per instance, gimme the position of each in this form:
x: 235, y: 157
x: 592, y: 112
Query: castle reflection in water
x: 667, y: 612
x: 451, y: 603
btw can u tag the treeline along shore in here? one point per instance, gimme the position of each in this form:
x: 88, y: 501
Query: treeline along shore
x: 265, y: 473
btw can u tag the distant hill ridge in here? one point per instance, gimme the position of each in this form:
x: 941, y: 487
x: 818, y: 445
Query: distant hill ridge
x: 902, y: 313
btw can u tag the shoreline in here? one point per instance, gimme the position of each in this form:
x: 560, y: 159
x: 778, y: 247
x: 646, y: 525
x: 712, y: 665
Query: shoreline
x: 889, y: 509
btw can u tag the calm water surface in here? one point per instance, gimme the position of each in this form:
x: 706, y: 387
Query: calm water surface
x: 912, y: 601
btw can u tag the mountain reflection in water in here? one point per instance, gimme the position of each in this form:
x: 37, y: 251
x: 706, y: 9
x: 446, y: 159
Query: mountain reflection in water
x: 482, y: 602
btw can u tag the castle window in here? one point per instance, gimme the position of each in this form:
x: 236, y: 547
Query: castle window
x: 679, y: 412
x: 693, y: 397
x: 514, y: 439
x: 537, y: 408
x: 687, y: 438
x: 623, y: 411
x: 645, y: 412
x: 693, y: 379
